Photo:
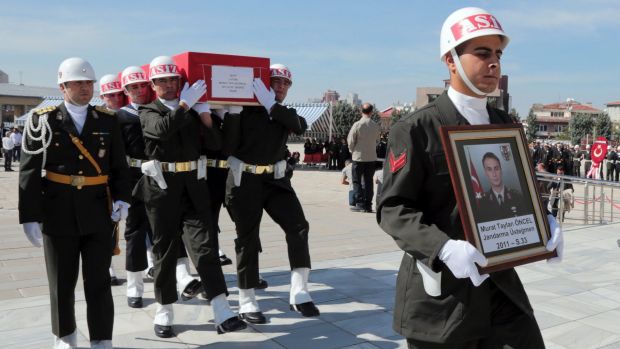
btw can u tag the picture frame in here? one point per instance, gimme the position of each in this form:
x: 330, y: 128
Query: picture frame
x: 497, y: 194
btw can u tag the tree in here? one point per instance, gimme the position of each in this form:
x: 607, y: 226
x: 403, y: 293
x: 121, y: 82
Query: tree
x: 603, y: 125
x: 344, y: 116
x: 514, y: 115
x: 532, y: 126
x: 398, y: 114
x: 580, y: 125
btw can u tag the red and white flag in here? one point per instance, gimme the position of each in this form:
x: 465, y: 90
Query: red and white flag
x: 475, y: 183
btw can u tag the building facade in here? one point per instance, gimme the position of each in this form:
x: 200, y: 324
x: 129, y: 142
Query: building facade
x: 553, y: 119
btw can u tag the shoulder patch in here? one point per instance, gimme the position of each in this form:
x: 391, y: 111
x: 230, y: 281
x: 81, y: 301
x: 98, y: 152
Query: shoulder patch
x: 104, y: 110
x: 397, y: 162
x: 45, y: 110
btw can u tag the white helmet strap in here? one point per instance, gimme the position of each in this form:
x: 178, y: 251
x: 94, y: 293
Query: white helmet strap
x: 461, y: 71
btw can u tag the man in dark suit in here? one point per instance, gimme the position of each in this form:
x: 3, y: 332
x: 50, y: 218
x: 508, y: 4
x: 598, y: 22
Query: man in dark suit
x: 499, y: 201
x: 86, y: 173
x: 418, y: 208
x: 175, y: 193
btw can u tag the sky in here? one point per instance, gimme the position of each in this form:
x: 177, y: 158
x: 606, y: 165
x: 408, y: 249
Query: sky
x: 382, y: 50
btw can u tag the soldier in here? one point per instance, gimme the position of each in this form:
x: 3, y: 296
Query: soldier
x: 256, y: 140
x: 176, y: 196
x: 577, y: 157
x: 139, y: 255
x: 81, y: 149
x: 112, y: 94
x: 418, y: 209
x: 499, y: 201
x: 611, y: 158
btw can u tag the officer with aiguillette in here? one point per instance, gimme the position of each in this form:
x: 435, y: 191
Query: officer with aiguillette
x: 81, y: 150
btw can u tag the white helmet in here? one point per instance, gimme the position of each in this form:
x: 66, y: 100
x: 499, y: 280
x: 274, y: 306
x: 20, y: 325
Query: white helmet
x: 280, y: 71
x: 466, y: 24
x: 109, y: 83
x: 463, y: 25
x: 162, y: 67
x: 132, y: 75
x: 75, y: 69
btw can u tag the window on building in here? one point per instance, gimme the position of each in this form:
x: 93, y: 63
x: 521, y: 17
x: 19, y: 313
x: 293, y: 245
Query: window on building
x: 542, y: 128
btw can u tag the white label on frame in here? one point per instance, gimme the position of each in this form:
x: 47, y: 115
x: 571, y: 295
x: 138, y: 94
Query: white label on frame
x: 504, y: 234
x: 231, y: 82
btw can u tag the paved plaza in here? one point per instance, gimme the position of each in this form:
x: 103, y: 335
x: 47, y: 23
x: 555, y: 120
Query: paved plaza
x: 577, y: 302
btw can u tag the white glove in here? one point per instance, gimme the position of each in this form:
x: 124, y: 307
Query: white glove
x: 234, y: 109
x: 120, y: 210
x: 265, y: 97
x: 557, y: 240
x: 461, y: 257
x: 191, y: 95
x: 153, y: 169
x: 202, y: 108
x: 33, y: 233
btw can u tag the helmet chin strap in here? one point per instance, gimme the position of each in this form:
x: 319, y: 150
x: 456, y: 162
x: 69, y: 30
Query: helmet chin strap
x: 459, y: 68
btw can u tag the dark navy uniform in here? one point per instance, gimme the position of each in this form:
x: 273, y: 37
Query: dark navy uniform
x: 174, y: 136
x: 418, y: 209
x: 512, y: 205
x: 259, y: 138
x: 137, y: 227
x: 612, y: 157
x: 76, y: 218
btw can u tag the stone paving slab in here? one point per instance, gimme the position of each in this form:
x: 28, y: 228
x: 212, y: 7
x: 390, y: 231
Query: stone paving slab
x: 577, y: 302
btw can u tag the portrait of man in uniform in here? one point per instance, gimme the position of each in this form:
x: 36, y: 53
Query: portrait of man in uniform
x: 499, y: 201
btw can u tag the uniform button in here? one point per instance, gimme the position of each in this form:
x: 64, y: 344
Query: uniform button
x: 79, y: 187
x: 81, y: 157
x: 102, y: 143
x: 57, y: 144
x: 80, y: 172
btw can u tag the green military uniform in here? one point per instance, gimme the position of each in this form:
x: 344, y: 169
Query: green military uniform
x: 76, y: 219
x: 183, y: 208
x: 512, y: 205
x: 257, y: 137
x: 418, y: 209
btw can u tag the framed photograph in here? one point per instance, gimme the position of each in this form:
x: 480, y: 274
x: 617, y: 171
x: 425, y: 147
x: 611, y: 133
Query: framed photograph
x: 497, y: 194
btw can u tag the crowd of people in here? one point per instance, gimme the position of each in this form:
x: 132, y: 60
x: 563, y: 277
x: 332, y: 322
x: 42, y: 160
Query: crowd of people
x: 575, y: 160
x: 11, y: 147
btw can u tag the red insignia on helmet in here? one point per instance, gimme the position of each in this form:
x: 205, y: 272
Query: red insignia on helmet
x: 396, y: 163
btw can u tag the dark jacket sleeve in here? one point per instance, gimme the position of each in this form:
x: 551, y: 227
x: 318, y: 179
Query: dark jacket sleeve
x: 30, y: 189
x: 161, y: 127
x: 120, y: 177
x: 400, y: 211
x: 213, y: 138
x: 289, y: 118
x: 231, y: 130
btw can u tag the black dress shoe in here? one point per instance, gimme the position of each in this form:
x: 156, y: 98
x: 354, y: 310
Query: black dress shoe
x: 114, y: 281
x: 225, y: 260
x: 231, y: 325
x: 192, y: 289
x: 163, y: 331
x: 307, y: 309
x: 262, y: 284
x: 134, y: 302
x: 256, y: 317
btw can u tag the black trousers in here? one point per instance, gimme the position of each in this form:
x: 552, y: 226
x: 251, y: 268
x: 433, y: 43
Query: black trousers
x: 199, y: 237
x: 610, y: 171
x: 17, y: 152
x: 8, y: 157
x: 577, y: 169
x: 363, y: 171
x: 137, y: 230
x: 62, y: 260
x: 511, y: 328
x: 617, y: 170
x: 216, y: 181
x: 588, y: 165
x: 246, y: 203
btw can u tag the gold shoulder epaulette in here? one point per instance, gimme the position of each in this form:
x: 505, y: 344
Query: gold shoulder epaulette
x: 104, y: 110
x: 45, y: 110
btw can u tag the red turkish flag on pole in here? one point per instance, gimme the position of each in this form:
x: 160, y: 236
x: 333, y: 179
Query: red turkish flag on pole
x: 475, y: 182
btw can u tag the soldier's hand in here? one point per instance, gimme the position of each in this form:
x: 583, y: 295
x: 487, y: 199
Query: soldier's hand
x: 191, y: 95
x: 557, y: 240
x: 267, y: 98
x: 33, y: 233
x: 120, y: 210
x: 461, y: 258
